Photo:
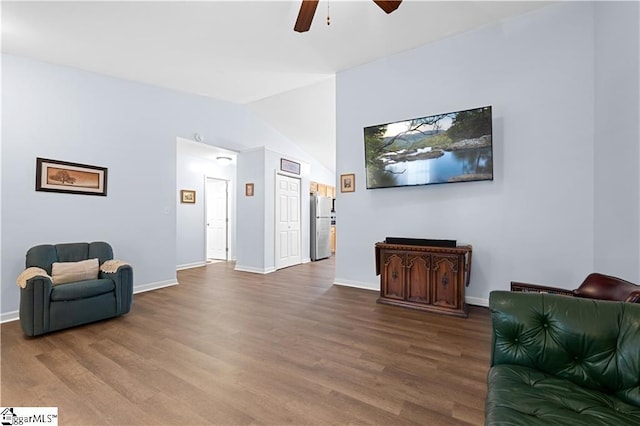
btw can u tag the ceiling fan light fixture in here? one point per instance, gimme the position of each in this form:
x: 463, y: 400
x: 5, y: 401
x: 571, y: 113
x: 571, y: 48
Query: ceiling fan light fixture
x: 308, y: 9
x: 224, y: 160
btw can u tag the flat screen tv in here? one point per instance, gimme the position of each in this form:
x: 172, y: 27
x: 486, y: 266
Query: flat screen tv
x: 450, y: 147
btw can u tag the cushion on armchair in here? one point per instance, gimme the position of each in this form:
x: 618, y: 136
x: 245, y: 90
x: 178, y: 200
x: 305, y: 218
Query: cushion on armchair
x: 81, y: 289
x: 68, y: 272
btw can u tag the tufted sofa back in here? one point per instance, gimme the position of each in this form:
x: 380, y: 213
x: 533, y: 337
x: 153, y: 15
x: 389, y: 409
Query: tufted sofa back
x: 43, y: 256
x: 593, y: 343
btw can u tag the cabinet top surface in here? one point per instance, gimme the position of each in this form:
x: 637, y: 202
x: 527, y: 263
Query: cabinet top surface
x: 458, y: 249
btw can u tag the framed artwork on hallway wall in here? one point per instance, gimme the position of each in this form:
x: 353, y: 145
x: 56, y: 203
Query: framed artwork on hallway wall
x: 348, y: 183
x: 188, y: 196
x: 289, y: 166
x: 248, y: 190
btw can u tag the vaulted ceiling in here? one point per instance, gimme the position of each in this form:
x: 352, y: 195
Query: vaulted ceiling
x: 240, y: 51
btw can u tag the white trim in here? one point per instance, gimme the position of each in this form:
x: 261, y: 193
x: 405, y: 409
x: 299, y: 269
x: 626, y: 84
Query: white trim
x: 254, y: 270
x: 190, y: 265
x: 477, y: 301
x: 9, y: 316
x: 356, y: 284
x: 307, y: 260
x: 154, y: 286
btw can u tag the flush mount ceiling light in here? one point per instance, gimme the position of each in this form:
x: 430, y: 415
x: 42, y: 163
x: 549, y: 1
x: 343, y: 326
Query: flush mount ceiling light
x: 223, y: 160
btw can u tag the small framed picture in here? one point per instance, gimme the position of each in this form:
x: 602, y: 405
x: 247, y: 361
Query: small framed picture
x: 248, y: 189
x: 289, y: 166
x: 348, y: 183
x: 188, y: 196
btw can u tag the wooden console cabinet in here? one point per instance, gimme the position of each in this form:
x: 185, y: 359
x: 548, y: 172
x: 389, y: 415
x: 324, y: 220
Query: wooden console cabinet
x: 424, y: 277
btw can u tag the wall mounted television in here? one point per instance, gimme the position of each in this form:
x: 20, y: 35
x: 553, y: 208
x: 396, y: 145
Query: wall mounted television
x: 443, y: 148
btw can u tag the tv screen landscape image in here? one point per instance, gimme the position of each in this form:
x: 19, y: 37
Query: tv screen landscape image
x: 450, y: 147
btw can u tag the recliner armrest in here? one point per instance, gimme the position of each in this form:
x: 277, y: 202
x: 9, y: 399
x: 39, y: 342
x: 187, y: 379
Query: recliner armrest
x: 123, y: 280
x: 34, y: 305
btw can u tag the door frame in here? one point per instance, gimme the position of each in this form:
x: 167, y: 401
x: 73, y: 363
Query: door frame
x: 276, y: 248
x: 206, y: 217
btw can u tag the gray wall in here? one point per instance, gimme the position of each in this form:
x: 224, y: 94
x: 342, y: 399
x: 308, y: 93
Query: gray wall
x: 535, y: 222
x: 66, y: 114
x: 251, y: 217
x: 617, y: 135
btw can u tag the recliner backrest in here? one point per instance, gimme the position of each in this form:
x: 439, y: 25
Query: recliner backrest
x: 101, y: 250
x: 72, y: 252
x: 593, y: 343
x: 606, y: 287
x: 43, y: 256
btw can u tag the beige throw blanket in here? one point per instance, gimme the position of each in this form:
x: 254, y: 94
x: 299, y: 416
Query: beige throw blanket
x: 111, y: 266
x: 29, y: 273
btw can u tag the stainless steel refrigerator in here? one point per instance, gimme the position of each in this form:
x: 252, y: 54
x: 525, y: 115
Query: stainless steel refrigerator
x: 320, y: 227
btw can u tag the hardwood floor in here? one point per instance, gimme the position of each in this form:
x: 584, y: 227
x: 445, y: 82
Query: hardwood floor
x: 234, y: 348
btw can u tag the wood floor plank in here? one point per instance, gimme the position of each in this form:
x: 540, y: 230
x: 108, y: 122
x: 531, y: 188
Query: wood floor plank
x: 233, y: 348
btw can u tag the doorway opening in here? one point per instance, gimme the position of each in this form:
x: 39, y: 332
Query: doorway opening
x: 217, y: 219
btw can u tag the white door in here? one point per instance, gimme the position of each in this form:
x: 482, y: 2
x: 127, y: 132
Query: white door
x: 217, y: 219
x: 288, y: 237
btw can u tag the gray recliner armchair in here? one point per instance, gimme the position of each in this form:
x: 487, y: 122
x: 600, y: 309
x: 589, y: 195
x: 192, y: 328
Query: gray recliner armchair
x: 66, y: 285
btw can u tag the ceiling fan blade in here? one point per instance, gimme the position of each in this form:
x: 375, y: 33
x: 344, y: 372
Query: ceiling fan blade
x: 388, y: 5
x: 305, y: 16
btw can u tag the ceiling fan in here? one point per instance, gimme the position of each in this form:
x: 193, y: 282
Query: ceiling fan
x: 308, y: 9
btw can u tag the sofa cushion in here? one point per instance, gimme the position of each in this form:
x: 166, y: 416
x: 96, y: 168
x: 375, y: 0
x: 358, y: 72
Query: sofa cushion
x: 81, y: 289
x: 520, y: 395
x: 68, y: 272
x: 593, y: 343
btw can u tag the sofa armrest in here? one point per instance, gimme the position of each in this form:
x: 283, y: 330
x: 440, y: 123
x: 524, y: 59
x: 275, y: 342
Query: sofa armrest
x: 34, y: 305
x: 123, y: 280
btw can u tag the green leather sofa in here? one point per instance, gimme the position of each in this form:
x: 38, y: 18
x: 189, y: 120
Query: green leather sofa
x: 559, y: 360
x: 45, y: 307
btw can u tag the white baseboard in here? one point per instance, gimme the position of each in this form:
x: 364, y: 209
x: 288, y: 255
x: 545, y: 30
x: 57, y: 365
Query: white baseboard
x: 10, y: 316
x: 307, y: 260
x: 190, y: 265
x: 153, y: 286
x: 477, y: 301
x: 254, y: 270
x: 356, y: 284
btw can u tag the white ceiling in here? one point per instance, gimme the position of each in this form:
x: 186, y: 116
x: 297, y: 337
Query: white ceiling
x: 238, y: 51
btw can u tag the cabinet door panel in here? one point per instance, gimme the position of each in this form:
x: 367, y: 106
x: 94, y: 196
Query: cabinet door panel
x: 393, y: 275
x: 445, y: 281
x: 418, y: 266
